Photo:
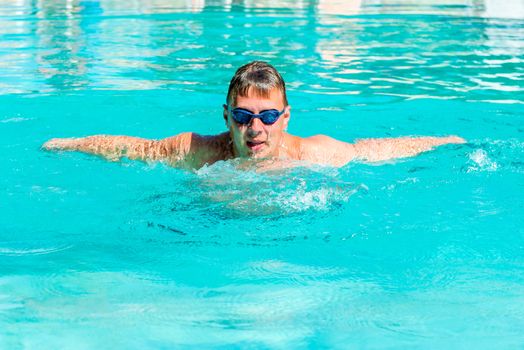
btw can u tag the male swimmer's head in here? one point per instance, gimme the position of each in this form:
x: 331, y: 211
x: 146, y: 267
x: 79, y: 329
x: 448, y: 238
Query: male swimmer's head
x: 257, y: 112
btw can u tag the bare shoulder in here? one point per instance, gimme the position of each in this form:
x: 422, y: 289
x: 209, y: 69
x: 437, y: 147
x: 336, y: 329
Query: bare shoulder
x: 326, y: 150
x: 210, y: 144
x: 208, y: 149
x: 191, y: 142
x: 322, y: 140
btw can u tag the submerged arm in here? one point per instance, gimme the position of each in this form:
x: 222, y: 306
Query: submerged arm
x: 172, y: 149
x: 375, y: 150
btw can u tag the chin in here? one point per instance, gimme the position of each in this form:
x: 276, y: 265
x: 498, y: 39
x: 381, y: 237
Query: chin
x: 263, y: 154
x: 254, y: 154
x: 257, y: 156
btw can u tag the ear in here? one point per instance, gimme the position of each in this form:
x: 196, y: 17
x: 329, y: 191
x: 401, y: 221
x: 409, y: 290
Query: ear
x: 286, y: 117
x: 225, y: 115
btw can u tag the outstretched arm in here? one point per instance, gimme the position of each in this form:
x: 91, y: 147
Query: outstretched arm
x: 375, y: 150
x: 326, y: 150
x: 173, y: 149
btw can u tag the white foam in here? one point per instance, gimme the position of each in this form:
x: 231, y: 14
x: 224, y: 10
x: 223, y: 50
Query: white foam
x: 275, y: 191
x: 482, y: 161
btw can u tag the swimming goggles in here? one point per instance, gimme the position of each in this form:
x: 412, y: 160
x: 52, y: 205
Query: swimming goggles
x: 243, y: 116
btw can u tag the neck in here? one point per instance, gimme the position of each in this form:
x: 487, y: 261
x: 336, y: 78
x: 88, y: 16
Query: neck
x: 288, y: 147
x: 282, y: 150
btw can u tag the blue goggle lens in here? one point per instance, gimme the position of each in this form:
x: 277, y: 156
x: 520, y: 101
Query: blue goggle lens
x: 243, y: 116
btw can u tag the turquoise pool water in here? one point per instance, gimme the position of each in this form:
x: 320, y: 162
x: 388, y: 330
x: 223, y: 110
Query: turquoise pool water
x: 426, y: 252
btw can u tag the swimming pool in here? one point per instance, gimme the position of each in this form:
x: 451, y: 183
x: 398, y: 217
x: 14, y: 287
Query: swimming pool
x: 426, y: 252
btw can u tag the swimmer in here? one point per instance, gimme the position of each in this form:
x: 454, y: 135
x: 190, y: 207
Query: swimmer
x: 256, y: 114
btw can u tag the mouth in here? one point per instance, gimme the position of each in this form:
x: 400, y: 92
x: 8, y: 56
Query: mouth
x: 254, y: 145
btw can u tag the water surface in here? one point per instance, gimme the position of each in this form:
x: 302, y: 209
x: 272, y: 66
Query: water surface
x: 425, y: 252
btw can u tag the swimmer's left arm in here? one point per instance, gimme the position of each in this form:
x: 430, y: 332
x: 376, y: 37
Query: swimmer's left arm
x: 376, y: 150
x: 323, y: 149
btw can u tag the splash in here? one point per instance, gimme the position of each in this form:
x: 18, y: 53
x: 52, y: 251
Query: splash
x: 236, y: 188
x: 482, y: 161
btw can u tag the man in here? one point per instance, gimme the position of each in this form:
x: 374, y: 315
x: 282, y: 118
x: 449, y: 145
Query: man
x: 257, y: 115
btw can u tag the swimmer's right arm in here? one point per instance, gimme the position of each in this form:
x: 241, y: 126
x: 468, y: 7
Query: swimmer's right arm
x: 173, y: 149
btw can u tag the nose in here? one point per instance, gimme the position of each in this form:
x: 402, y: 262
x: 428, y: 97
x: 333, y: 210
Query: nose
x: 255, y: 126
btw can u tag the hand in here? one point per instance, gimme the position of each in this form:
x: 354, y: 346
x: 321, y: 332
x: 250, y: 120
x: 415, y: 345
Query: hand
x: 58, y: 144
x: 454, y: 139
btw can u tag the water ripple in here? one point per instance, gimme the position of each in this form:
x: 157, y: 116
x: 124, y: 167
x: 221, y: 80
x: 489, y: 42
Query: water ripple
x: 8, y: 251
x: 417, y: 55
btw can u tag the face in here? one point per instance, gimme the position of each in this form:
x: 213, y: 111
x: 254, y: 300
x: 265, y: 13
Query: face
x: 256, y: 139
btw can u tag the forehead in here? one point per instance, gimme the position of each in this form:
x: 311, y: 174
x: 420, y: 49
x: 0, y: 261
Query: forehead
x: 273, y: 97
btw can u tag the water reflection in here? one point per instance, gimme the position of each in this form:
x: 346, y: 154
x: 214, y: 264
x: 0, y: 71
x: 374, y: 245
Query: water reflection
x: 339, y: 7
x: 486, y: 8
x: 59, y: 56
x: 152, y: 6
x: 322, y: 46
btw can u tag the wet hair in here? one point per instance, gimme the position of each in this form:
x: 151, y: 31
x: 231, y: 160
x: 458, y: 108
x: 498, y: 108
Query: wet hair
x: 259, y: 76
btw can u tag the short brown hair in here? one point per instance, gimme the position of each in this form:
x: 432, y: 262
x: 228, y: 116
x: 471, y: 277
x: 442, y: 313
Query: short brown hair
x: 261, y: 76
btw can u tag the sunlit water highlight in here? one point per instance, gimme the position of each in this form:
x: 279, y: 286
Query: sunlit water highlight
x: 425, y: 252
